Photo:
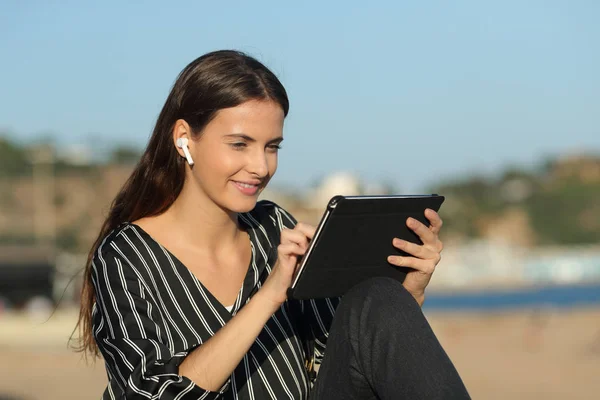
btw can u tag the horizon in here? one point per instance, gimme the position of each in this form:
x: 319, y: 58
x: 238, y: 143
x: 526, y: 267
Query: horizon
x: 81, y: 155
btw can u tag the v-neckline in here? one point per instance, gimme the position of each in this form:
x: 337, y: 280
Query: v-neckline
x: 238, y: 300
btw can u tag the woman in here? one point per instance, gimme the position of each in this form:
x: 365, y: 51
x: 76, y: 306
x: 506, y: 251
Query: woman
x: 185, y: 287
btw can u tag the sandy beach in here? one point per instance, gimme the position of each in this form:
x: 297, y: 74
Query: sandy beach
x: 528, y: 354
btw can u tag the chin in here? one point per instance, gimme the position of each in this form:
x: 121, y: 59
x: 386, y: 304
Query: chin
x: 243, y: 205
x: 244, y: 209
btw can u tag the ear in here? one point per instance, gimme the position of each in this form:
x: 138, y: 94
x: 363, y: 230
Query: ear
x: 182, y: 129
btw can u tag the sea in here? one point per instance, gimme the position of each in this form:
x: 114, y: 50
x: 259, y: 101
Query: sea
x: 546, y: 296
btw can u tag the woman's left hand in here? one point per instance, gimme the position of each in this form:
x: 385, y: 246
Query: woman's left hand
x: 425, y: 257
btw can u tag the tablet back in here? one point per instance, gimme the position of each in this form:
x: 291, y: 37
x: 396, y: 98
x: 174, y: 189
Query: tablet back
x: 354, y: 239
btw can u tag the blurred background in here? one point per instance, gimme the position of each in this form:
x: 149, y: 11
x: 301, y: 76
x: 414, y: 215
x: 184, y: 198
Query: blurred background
x: 494, y: 105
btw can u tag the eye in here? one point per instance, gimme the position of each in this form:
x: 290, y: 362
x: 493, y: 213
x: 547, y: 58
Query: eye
x: 238, y: 145
x: 274, y: 147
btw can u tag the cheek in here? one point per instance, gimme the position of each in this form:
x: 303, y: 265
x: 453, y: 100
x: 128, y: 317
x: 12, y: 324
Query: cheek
x: 272, y: 161
x: 231, y: 162
x: 219, y: 161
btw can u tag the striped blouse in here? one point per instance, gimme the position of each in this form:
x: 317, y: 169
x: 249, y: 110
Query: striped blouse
x: 151, y: 311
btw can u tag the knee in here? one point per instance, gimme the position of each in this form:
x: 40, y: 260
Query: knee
x: 376, y: 308
x: 382, y: 295
x: 379, y: 289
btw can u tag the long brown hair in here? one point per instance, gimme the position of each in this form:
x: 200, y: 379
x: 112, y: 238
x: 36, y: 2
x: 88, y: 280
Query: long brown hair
x: 212, y: 82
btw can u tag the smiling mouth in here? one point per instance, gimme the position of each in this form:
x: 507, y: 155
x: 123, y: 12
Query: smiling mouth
x: 249, y: 189
x: 247, y: 185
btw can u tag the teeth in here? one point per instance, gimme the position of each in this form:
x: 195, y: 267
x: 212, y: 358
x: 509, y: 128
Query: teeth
x: 246, y: 185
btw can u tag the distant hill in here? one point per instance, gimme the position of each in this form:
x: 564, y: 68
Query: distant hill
x: 559, y: 204
x: 63, y: 199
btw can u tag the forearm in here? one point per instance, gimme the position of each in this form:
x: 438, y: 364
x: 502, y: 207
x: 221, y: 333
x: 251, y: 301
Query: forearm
x: 419, y: 295
x: 212, y: 363
x: 420, y: 300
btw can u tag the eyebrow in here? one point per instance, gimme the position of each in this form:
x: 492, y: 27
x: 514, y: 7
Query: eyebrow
x: 251, y: 139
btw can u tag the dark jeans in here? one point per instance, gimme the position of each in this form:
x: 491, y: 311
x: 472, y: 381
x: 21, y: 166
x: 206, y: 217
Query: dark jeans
x: 381, y: 346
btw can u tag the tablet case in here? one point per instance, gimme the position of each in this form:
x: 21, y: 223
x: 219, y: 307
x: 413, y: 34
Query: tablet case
x: 354, y: 239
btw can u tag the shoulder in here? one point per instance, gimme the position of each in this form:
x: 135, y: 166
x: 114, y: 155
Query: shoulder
x: 119, y: 249
x: 276, y: 214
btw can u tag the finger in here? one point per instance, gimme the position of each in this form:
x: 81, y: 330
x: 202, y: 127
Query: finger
x: 306, y: 229
x: 294, y: 236
x: 434, y: 219
x: 419, y: 251
x: 290, y: 249
x: 424, y: 233
x: 424, y: 266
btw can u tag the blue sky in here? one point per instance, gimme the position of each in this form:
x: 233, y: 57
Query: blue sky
x: 409, y: 92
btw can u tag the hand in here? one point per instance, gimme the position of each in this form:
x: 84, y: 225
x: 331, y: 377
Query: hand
x: 294, y: 243
x: 426, y: 256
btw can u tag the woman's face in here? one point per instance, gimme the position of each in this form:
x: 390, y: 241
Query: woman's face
x: 236, y: 154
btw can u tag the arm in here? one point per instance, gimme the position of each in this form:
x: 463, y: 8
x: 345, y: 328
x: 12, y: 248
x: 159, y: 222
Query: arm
x: 211, y: 364
x: 129, y: 335
x: 317, y: 313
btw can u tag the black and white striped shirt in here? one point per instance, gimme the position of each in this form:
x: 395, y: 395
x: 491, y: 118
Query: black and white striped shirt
x: 151, y: 311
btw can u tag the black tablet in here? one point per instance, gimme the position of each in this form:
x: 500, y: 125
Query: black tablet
x: 354, y: 239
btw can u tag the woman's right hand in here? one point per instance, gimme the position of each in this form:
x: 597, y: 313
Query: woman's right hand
x: 294, y: 243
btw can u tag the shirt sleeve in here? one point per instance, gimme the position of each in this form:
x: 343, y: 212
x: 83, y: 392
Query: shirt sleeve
x: 129, y: 334
x: 317, y: 313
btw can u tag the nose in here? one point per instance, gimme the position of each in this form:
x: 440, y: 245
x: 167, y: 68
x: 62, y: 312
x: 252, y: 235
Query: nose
x: 258, y: 164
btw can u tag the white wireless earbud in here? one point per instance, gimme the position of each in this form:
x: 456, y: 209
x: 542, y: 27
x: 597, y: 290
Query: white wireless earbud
x: 182, y: 143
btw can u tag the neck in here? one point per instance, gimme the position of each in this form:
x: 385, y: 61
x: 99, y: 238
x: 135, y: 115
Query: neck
x: 200, y: 222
